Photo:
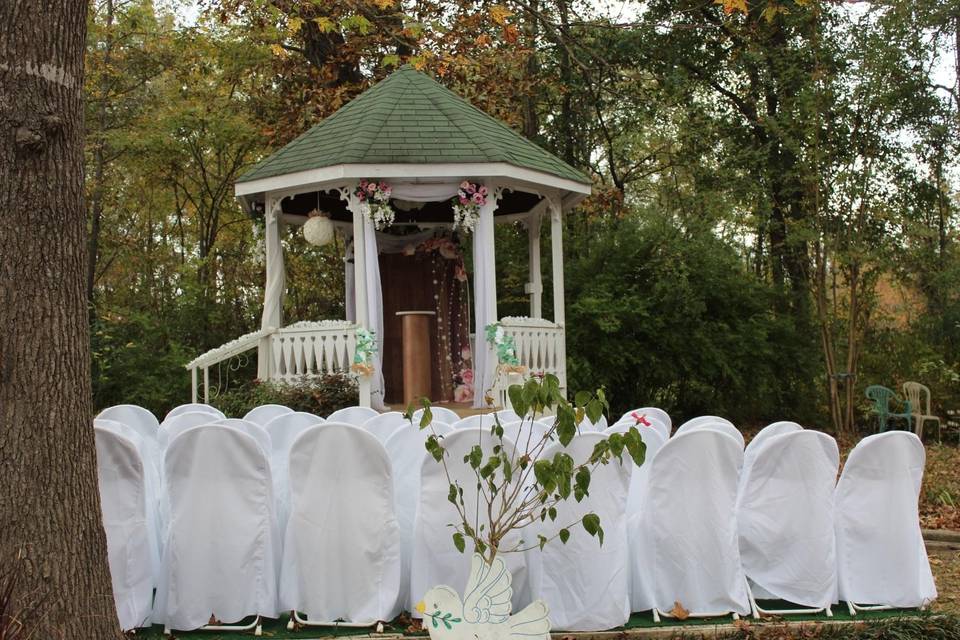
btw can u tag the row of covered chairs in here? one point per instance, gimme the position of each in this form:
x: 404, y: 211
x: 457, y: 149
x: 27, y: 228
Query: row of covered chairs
x: 365, y: 529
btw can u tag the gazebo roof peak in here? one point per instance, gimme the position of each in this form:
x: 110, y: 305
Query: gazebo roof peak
x: 409, y: 118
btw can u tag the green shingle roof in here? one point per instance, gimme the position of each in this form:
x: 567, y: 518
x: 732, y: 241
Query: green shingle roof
x: 409, y: 118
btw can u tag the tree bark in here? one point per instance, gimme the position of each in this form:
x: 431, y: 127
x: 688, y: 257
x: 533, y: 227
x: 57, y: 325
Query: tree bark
x: 48, y: 493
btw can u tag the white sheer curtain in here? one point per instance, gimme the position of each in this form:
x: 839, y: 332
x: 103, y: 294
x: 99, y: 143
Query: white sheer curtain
x: 484, y: 302
x: 349, y: 293
x: 375, y: 311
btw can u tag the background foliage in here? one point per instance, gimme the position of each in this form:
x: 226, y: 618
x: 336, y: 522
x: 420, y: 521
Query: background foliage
x: 774, y: 224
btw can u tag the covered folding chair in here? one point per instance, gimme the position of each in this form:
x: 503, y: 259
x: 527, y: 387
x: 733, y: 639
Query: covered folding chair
x: 435, y: 559
x: 137, y: 418
x: 353, y: 415
x: 131, y: 548
x: 481, y: 420
x: 222, y: 548
x: 587, y: 584
x: 265, y: 413
x: 448, y: 416
x: 385, y: 424
x: 172, y: 427
x: 283, y: 431
x: 785, y: 521
x: 881, y: 559
x: 713, y: 422
x: 507, y: 415
x: 526, y: 434
x: 684, y: 540
x: 191, y: 407
x: 658, y: 417
x: 769, y: 431
x: 253, y: 430
x: 586, y: 426
x: 638, y: 479
x: 337, y: 568
x: 405, y: 448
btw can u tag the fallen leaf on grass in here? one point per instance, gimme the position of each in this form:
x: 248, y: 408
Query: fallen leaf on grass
x: 678, y: 611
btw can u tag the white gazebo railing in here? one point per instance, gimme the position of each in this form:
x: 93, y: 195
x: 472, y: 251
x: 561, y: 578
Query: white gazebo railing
x: 303, y: 349
x: 312, y: 349
x: 540, y: 347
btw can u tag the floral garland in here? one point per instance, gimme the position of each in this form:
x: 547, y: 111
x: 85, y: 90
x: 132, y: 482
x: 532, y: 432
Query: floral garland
x: 374, y: 200
x: 363, y: 355
x: 466, y: 205
x: 504, y: 344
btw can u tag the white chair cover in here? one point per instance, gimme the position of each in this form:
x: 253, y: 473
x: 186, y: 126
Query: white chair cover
x: 435, y: 559
x: 442, y: 414
x: 785, y: 518
x: 638, y: 479
x: 191, y: 407
x: 484, y: 420
x: 585, y: 424
x: 665, y: 425
x: 283, y: 431
x: 385, y: 424
x: 176, y: 425
x: 880, y: 550
x: 715, y: 423
x: 507, y: 415
x: 131, y: 550
x: 526, y: 434
x: 336, y: 566
x: 222, y: 547
x: 585, y: 584
x: 137, y: 418
x: 353, y: 415
x: 772, y: 429
x: 684, y: 540
x: 265, y: 413
x: 253, y: 430
x: 406, y: 450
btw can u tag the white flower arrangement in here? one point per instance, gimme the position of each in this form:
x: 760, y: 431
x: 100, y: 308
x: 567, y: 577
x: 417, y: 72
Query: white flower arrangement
x: 374, y: 200
x: 307, y: 325
x: 466, y: 205
x: 235, y: 346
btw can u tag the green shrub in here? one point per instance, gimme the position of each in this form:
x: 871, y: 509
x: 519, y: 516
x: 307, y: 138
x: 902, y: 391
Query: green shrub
x: 320, y: 396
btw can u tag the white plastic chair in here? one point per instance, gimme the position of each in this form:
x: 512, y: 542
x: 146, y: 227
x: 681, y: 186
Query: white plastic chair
x: 449, y: 416
x: 712, y: 422
x: 336, y: 566
x: 435, y: 559
x: 405, y: 448
x: 383, y: 425
x: 253, y: 430
x: 585, y: 584
x: 222, y: 547
x: 353, y: 415
x: 265, y: 413
x: 684, y: 540
x: 191, y: 407
x: 173, y: 427
x: 481, y: 421
x: 919, y: 397
x: 785, y: 521
x: 769, y: 431
x: 131, y: 548
x: 881, y: 559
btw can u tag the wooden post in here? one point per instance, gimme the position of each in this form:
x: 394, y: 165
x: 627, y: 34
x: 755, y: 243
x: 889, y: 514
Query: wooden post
x: 536, y: 278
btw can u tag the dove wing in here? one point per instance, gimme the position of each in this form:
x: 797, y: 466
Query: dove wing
x: 488, y: 593
x: 531, y: 623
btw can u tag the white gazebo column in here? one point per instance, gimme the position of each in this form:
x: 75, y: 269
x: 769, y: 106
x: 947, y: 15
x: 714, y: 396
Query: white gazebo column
x: 535, y: 284
x: 559, y: 315
x: 484, y: 299
x: 359, y: 280
x: 276, y: 280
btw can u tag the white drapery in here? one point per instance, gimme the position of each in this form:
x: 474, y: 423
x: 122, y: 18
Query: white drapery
x: 375, y: 311
x: 484, y: 301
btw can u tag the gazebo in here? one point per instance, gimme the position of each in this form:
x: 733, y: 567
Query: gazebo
x: 390, y: 171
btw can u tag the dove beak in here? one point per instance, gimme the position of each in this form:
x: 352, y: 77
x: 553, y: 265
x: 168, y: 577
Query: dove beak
x: 421, y: 607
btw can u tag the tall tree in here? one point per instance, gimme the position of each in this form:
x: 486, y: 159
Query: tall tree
x: 48, y: 496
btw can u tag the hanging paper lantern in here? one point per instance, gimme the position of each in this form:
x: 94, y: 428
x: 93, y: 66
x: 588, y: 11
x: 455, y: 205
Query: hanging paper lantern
x: 318, y: 230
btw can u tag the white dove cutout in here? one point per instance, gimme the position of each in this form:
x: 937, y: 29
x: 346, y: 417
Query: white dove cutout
x: 484, y: 614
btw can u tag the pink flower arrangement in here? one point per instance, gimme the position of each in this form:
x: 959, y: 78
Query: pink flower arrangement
x: 466, y: 353
x: 375, y: 200
x: 466, y: 205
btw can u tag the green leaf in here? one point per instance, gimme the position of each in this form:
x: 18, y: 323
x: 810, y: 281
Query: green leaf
x: 475, y: 457
x: 581, y: 487
x: 427, y: 417
x: 582, y: 398
x: 459, y: 542
x: 564, y: 535
x: 452, y: 494
x: 515, y: 393
x: 552, y: 512
x: 591, y: 522
x: 594, y: 410
x: 543, y: 541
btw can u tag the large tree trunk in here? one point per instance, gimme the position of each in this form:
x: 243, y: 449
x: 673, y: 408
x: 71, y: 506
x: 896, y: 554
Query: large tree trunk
x: 48, y: 492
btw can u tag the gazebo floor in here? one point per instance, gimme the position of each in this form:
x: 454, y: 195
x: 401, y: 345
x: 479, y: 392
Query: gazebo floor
x: 640, y: 625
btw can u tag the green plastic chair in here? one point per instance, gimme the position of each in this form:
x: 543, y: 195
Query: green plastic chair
x: 881, y: 397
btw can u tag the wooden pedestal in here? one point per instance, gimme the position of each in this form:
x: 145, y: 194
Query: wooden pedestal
x: 417, y: 360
